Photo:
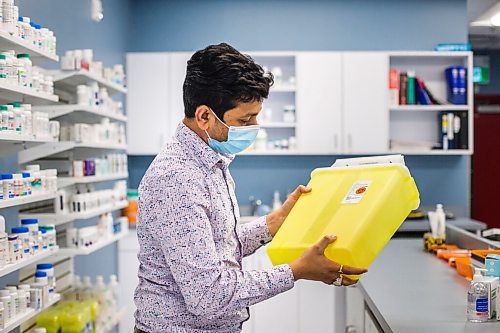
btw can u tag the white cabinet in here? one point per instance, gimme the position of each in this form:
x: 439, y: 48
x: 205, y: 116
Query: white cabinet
x: 128, y: 266
x: 308, y: 307
x: 319, y: 102
x: 154, y: 102
x: 365, y: 102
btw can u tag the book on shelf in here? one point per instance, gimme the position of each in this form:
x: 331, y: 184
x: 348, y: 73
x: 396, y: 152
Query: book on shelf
x: 411, y: 89
x: 403, y: 89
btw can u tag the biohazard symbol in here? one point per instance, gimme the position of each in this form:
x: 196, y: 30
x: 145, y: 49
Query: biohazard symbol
x: 361, y: 190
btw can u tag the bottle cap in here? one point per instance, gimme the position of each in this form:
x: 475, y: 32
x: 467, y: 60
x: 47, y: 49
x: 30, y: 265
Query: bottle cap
x: 29, y: 221
x: 44, y: 266
x: 19, y: 230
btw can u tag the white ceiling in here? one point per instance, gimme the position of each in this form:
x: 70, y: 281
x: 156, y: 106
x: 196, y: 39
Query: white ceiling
x: 482, y: 37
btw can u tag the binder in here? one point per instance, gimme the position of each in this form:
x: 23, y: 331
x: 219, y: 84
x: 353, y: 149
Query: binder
x: 422, y: 96
x: 411, y: 87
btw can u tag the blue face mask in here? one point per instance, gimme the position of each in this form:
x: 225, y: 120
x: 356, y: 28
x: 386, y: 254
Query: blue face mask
x: 238, y: 138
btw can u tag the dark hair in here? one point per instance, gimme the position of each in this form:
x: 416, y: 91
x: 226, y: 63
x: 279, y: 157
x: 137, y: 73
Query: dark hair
x: 221, y: 77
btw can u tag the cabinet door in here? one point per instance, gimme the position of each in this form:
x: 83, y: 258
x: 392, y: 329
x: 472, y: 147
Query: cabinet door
x: 147, y: 102
x: 365, y: 80
x: 319, y: 101
x: 278, y: 314
x: 316, y: 303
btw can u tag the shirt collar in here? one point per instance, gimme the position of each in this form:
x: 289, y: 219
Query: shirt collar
x: 199, y: 149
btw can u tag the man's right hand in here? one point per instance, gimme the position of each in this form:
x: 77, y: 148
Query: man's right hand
x: 313, y: 265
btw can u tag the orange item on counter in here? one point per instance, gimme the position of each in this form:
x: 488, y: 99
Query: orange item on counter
x: 435, y: 248
x: 464, y: 267
x: 481, y: 254
x: 447, y: 254
x: 131, y: 212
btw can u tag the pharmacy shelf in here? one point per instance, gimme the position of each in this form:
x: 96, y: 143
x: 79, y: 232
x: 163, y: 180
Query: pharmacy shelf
x: 12, y: 142
x: 9, y: 268
x: 433, y: 108
x: 49, y: 149
x: 114, y: 321
x: 62, y: 218
x: 37, y: 56
x: 26, y: 200
x: 79, y: 113
x: 278, y: 125
x: 68, y: 181
x: 69, y: 80
x: 29, y: 314
x: 12, y: 93
x: 72, y: 252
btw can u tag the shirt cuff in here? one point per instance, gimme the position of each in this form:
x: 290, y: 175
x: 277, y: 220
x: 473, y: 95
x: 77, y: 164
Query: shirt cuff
x: 284, y: 277
x: 263, y: 230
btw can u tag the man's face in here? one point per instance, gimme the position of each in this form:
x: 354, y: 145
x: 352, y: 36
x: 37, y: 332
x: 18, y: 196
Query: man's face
x: 245, y: 114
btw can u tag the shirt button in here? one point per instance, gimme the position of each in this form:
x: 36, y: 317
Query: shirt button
x: 262, y: 242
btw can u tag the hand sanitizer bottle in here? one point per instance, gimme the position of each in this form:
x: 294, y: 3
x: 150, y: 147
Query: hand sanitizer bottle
x: 276, y: 202
x: 477, y: 299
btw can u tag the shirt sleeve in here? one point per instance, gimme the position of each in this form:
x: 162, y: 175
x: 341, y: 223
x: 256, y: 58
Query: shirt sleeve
x: 185, y: 234
x: 253, y: 235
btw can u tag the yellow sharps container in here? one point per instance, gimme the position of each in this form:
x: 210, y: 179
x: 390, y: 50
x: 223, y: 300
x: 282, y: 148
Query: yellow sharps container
x: 361, y: 200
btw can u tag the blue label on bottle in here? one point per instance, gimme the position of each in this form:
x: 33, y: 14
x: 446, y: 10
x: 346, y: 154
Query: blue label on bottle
x: 482, y: 305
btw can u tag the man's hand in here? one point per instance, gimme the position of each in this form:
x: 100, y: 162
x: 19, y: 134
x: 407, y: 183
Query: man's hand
x: 313, y: 265
x: 276, y: 218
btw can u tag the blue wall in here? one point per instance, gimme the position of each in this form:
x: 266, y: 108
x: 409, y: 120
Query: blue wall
x: 159, y: 25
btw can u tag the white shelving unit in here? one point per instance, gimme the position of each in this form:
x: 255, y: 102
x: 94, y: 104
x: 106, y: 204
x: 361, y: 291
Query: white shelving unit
x: 62, y: 218
x: 31, y: 313
x: 12, y: 93
x: 68, y: 181
x: 9, y: 268
x: 69, y: 80
x: 37, y: 56
x: 49, y: 149
x: 26, y: 200
x: 419, y: 123
x: 79, y: 113
x: 72, y: 252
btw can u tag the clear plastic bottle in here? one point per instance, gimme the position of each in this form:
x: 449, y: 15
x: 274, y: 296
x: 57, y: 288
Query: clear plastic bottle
x: 24, y: 67
x: 9, y: 21
x: 86, y: 290
x: 114, y: 288
x: 477, y: 299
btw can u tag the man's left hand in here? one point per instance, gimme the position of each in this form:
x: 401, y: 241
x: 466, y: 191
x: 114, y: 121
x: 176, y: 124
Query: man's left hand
x: 276, y: 218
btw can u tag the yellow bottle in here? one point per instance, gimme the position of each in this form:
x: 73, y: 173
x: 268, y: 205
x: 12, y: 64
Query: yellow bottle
x: 361, y: 200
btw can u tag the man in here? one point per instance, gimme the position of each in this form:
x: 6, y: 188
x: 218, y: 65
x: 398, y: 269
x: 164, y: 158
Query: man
x: 191, y: 246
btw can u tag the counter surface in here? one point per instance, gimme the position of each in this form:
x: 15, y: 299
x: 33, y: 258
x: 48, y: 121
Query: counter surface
x: 409, y: 290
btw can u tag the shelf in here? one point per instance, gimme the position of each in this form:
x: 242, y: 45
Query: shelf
x: 434, y: 152
x: 430, y: 54
x: 37, y: 56
x: 62, y: 218
x: 12, y: 93
x: 26, y: 200
x: 278, y: 125
x: 9, y: 268
x: 49, y: 149
x: 433, y: 108
x: 29, y: 314
x: 12, y: 142
x: 71, y: 252
x: 69, y: 80
x: 283, y: 88
x: 79, y: 113
x: 68, y: 181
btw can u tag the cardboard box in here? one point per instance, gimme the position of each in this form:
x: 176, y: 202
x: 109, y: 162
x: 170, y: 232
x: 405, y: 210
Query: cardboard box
x: 493, y: 307
x: 492, y: 265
